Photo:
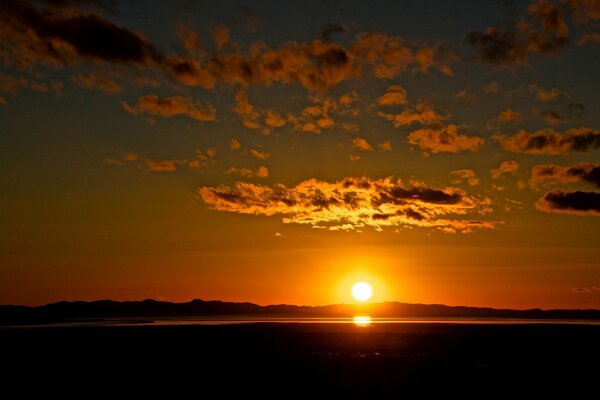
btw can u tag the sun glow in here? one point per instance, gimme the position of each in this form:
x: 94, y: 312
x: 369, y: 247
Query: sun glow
x: 362, y: 291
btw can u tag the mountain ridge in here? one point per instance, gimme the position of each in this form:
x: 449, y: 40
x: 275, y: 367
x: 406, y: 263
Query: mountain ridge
x: 64, y: 311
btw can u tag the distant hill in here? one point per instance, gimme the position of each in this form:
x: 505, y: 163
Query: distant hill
x: 65, y: 311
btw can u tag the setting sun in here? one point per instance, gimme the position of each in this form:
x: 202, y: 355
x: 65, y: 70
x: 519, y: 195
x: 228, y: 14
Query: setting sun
x: 362, y: 291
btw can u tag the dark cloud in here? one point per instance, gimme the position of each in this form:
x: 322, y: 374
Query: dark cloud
x: 49, y: 36
x: 353, y: 203
x: 587, y: 172
x: 580, y: 203
x: 541, y: 29
x: 330, y: 29
x: 549, y: 141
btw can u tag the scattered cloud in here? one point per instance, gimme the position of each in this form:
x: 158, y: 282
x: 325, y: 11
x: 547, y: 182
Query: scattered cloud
x: 579, y: 203
x: 464, y: 175
x: 395, y: 95
x: 260, y: 172
x: 385, y: 146
x: 203, y: 160
x: 492, y: 87
x: 353, y: 203
x: 171, y: 106
x: 545, y: 95
x: 444, y: 139
x: 541, y: 29
x: 354, y: 157
x: 160, y: 165
x: 11, y: 85
x: 103, y: 83
x: 549, y: 141
x: 466, y: 96
x: 506, y: 168
x: 234, y: 144
x: 588, y: 39
x: 509, y: 115
x: 261, y: 155
x: 125, y: 158
x: 421, y: 113
x: 587, y: 172
x: 361, y: 144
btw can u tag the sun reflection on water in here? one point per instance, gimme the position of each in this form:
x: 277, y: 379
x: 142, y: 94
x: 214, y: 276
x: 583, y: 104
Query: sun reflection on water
x: 362, y: 320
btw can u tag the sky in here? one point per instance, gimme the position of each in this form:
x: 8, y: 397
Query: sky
x: 278, y: 151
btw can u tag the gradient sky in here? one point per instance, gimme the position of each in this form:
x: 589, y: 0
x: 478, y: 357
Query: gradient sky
x: 278, y: 151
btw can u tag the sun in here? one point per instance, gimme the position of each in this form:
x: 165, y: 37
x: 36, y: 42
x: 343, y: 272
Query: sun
x: 362, y: 291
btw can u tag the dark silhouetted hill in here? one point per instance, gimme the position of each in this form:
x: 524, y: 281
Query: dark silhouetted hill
x: 65, y: 311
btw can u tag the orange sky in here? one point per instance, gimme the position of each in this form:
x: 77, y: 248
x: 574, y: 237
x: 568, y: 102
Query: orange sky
x: 278, y: 153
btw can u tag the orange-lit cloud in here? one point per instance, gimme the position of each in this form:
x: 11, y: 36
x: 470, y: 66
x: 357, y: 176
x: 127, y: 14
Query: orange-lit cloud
x: 466, y: 96
x: 234, y: 144
x: 509, y: 115
x: 395, y: 95
x: 492, y: 87
x: 203, y: 160
x: 587, y: 172
x: 103, y: 83
x: 125, y: 158
x: 506, y: 167
x: 464, y: 175
x: 444, y: 139
x: 578, y: 202
x: 261, y: 155
x: 260, y: 172
x: 385, y: 146
x: 545, y: 95
x: 13, y: 84
x: 421, y: 113
x: 361, y: 144
x: 549, y: 141
x: 353, y: 203
x: 160, y: 165
x: 171, y: 106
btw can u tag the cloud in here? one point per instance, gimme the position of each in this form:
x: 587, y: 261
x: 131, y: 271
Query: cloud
x: 579, y: 203
x: 330, y: 29
x: 390, y: 56
x: 321, y: 113
x: 160, y: 165
x: 422, y: 114
x: 587, y: 172
x: 589, y: 39
x: 353, y: 203
x: 506, y: 167
x: 203, y: 160
x: 542, y: 29
x: 234, y: 144
x: 103, y: 83
x: 464, y: 175
x: 395, y: 95
x: 493, y: 88
x: 361, y: 144
x: 3, y: 101
x: 260, y: 172
x: 466, y: 96
x: 13, y: 84
x: 509, y: 115
x: 125, y: 158
x: 546, y: 95
x: 552, y: 117
x: 549, y: 141
x: 220, y: 34
x: 261, y: 155
x: 167, y: 107
x: 354, y: 157
x: 385, y: 146
x: 54, y: 36
x: 444, y: 139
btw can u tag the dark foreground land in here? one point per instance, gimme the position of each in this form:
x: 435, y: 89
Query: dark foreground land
x: 295, y: 360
